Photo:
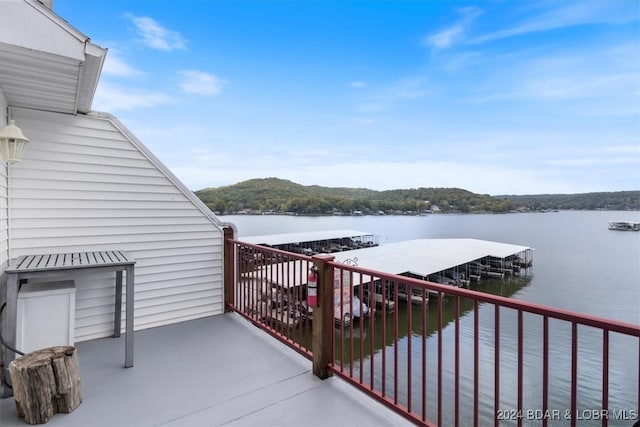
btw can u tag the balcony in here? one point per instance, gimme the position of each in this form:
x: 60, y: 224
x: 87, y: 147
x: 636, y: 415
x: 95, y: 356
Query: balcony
x: 445, y: 356
x: 212, y: 371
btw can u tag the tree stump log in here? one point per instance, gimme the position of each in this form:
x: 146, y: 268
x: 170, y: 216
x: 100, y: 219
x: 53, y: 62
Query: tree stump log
x: 46, y: 382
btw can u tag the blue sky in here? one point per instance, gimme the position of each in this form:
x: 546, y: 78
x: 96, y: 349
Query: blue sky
x: 497, y: 97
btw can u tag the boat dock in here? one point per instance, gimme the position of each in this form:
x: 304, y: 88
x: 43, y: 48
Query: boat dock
x: 315, y: 242
x: 455, y: 262
x: 449, y: 261
x: 624, y: 226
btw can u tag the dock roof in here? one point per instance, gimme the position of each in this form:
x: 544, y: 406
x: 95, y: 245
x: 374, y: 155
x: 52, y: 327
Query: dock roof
x: 427, y: 256
x: 301, y: 237
x: 421, y: 257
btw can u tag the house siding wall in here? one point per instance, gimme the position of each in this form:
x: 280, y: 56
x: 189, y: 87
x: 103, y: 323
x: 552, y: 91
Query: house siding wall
x: 84, y: 185
x: 4, y: 214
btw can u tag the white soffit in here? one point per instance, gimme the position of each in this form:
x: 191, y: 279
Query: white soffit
x: 45, y: 63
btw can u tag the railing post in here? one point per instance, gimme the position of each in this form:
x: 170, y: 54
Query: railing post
x: 323, y: 321
x: 229, y: 268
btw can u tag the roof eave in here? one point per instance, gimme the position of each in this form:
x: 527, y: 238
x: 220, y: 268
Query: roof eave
x: 89, y: 75
x: 50, y: 36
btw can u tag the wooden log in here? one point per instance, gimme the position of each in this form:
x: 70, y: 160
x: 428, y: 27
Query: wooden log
x: 45, y: 382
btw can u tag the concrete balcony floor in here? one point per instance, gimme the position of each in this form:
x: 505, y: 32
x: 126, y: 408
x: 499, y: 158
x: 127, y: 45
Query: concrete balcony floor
x: 219, y: 370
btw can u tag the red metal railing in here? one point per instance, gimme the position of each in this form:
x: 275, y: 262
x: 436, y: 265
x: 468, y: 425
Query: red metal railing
x: 442, y: 355
x: 269, y: 289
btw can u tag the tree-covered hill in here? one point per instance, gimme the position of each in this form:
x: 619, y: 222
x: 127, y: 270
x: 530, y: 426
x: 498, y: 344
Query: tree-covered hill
x: 618, y: 200
x: 279, y: 196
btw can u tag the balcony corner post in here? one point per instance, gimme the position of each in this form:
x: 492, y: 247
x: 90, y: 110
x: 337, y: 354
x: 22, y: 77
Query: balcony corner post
x: 229, y: 268
x: 323, y: 321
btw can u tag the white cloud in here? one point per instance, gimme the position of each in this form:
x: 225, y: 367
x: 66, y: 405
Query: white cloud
x: 155, y: 36
x: 582, y: 162
x: 383, y: 175
x: 505, y: 163
x: 201, y: 83
x: 629, y: 149
x: 115, y: 65
x: 445, y: 38
x: 112, y: 98
x: 363, y: 120
x: 594, y: 72
x: 453, y: 34
x: 358, y: 84
x: 568, y: 14
x: 576, y: 86
x: 410, y: 88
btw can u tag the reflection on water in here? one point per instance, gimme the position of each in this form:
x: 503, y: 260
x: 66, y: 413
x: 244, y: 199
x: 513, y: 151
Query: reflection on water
x: 404, y: 351
x: 358, y: 335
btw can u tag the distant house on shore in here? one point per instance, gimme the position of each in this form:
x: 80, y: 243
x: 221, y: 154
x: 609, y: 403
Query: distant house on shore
x: 86, y: 183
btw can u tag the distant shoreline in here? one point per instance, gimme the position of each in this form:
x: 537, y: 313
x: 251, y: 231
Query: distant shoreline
x: 423, y: 214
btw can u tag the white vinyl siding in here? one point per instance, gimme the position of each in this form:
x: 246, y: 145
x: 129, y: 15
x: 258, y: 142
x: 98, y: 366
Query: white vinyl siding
x: 4, y: 213
x: 85, y: 185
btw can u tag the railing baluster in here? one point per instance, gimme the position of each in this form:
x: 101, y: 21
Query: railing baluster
x: 296, y: 304
x: 394, y: 287
x: 280, y: 295
x: 440, y: 298
x: 520, y: 367
x: 384, y: 338
x: 342, y: 313
x: 265, y: 292
x: 456, y: 398
x: 351, y: 310
x: 409, y: 341
x: 574, y: 372
x: 545, y: 368
x: 496, y: 365
x: 241, y: 291
x: 245, y: 293
x: 605, y: 375
x: 371, y: 314
x: 372, y: 301
x: 476, y: 353
x: 425, y: 324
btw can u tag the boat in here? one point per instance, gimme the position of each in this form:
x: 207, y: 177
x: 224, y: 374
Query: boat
x: 624, y: 226
x: 355, y: 308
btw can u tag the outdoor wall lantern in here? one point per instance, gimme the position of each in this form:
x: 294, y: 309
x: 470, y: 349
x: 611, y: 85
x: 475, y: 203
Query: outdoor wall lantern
x: 12, y: 143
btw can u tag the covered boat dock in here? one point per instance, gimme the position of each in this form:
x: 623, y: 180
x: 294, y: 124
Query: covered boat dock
x: 313, y: 242
x: 448, y: 261
x: 455, y: 262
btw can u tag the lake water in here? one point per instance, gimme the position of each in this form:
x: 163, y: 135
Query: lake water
x: 578, y: 264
